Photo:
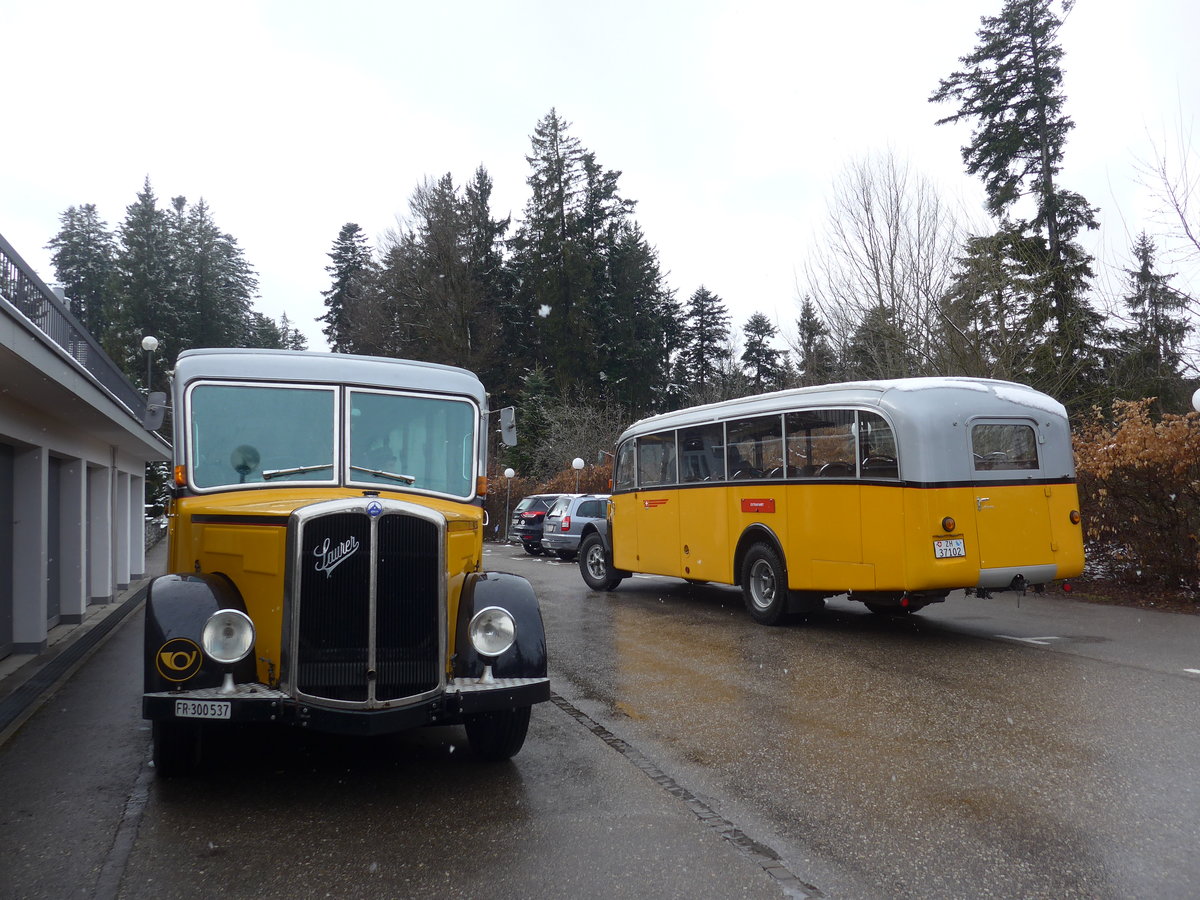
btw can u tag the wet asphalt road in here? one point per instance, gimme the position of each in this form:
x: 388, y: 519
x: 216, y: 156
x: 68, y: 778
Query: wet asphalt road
x: 1013, y: 747
x: 977, y: 749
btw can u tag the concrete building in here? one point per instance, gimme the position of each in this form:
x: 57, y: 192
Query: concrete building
x: 73, y: 457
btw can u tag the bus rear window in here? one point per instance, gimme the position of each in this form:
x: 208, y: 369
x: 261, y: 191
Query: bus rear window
x: 1004, y: 447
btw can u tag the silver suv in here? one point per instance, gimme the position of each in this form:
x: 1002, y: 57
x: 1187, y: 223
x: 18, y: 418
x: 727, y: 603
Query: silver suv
x: 568, y: 519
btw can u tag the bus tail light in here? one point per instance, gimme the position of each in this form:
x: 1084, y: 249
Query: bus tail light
x: 1075, y: 517
x: 948, y: 524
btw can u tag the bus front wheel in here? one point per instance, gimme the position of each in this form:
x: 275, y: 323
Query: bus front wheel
x: 764, y: 585
x: 594, y: 566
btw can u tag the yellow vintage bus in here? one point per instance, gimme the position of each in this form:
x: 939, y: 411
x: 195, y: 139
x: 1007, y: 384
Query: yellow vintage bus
x: 326, y: 540
x: 892, y: 492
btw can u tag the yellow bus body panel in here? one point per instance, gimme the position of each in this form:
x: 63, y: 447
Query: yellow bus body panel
x: 254, y: 556
x: 850, y: 537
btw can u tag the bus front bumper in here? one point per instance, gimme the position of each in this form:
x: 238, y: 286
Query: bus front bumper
x: 259, y: 703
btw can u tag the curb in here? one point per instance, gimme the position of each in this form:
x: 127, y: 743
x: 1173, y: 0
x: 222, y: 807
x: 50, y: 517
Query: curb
x: 49, y: 674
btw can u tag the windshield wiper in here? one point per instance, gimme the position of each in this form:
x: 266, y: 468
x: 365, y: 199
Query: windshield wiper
x: 407, y: 479
x: 268, y: 474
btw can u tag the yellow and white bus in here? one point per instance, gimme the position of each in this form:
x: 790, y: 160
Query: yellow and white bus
x: 892, y: 492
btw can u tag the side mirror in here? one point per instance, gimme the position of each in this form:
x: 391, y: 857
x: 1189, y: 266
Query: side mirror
x: 156, y: 411
x: 508, y: 426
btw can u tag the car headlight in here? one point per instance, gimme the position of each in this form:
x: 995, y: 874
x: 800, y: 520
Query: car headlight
x: 492, y: 631
x: 228, y: 636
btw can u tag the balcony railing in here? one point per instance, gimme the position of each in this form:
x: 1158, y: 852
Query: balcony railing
x: 29, y: 301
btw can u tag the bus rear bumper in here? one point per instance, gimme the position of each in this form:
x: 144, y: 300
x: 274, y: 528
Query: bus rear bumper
x: 1016, y: 576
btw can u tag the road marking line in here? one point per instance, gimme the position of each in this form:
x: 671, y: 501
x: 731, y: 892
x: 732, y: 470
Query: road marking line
x: 1193, y: 671
x: 1041, y: 641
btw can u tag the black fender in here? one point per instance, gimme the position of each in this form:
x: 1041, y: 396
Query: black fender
x: 526, y: 658
x: 177, y: 606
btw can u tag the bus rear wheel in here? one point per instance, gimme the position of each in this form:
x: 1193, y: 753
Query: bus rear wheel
x: 764, y: 585
x: 594, y: 566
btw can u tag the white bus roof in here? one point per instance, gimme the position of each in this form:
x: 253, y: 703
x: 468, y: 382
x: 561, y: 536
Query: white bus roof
x: 311, y: 367
x: 915, y: 395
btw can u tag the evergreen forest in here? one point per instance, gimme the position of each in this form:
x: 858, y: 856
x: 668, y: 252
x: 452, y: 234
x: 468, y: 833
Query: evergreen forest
x: 567, y: 313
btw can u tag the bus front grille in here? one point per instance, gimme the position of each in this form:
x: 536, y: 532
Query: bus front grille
x: 365, y: 599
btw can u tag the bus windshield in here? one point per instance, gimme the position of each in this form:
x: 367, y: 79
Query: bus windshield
x: 246, y: 434
x: 427, y: 443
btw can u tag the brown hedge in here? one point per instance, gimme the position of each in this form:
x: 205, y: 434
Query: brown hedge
x: 1139, y: 485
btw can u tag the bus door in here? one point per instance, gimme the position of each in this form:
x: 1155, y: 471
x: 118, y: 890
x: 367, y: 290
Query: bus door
x: 703, y: 546
x: 622, y: 507
x: 656, y: 506
x: 1012, y: 516
x: 824, y: 507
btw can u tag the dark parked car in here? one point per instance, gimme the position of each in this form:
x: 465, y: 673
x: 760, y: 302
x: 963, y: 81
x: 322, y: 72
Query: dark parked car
x: 527, y: 521
x: 567, y: 519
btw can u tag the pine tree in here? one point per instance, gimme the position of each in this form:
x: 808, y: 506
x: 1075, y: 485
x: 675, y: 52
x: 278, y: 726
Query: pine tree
x: 764, y: 364
x: 1151, y: 348
x: 217, y: 285
x: 352, y: 271
x: 987, y: 314
x: 704, y: 352
x: 84, y: 256
x: 1011, y: 87
x: 536, y: 393
x: 293, y: 338
x: 442, y: 280
x: 149, y: 288
x: 633, y: 344
x: 548, y: 264
x: 483, y: 246
x: 816, y: 358
x: 878, y: 349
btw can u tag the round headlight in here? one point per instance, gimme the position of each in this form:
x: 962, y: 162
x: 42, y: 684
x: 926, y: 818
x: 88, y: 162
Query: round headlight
x: 228, y: 636
x: 492, y: 631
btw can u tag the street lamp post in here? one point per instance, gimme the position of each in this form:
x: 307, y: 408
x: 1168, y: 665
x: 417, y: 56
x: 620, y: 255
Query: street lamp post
x: 577, y: 465
x: 508, y: 477
x: 149, y: 344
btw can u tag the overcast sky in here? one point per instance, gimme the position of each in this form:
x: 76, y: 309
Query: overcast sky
x: 729, y: 121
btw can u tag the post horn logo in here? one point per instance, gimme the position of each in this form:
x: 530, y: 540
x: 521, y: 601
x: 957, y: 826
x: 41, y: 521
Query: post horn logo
x: 179, y: 659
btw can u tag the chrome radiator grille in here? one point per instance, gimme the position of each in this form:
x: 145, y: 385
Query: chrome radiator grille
x: 365, y: 602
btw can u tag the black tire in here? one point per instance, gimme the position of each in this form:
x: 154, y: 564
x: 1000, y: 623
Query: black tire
x: 595, y: 566
x: 499, y: 734
x: 764, y: 585
x: 176, y: 748
x: 566, y: 555
x: 531, y: 549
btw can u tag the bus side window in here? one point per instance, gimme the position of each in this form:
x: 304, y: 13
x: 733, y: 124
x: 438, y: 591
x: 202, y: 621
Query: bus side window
x: 656, y: 459
x: 820, y: 443
x: 625, y: 470
x: 701, y: 456
x: 755, y: 447
x: 876, y: 447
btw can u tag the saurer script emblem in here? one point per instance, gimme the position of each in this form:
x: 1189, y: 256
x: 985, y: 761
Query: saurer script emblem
x: 330, y: 556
